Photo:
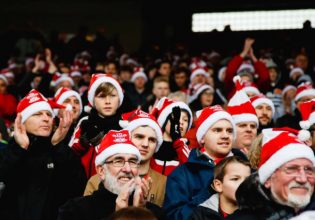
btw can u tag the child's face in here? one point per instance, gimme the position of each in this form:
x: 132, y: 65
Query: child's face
x: 107, y: 105
x: 183, y: 124
x: 235, y: 174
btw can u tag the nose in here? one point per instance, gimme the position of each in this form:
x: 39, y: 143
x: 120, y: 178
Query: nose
x: 107, y: 99
x: 126, y: 168
x: 45, y: 117
x: 301, y: 178
x: 145, y: 142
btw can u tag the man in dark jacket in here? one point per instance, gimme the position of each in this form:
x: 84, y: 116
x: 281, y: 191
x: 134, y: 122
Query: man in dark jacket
x: 285, y: 181
x: 117, y: 165
x: 39, y: 172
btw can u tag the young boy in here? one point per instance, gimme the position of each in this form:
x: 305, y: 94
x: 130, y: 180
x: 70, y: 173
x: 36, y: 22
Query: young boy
x: 228, y: 175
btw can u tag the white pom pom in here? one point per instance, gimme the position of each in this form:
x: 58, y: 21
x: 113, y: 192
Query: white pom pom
x: 87, y: 108
x: 69, y: 108
x: 305, y: 125
x: 123, y: 123
x: 304, y: 135
x: 236, y: 78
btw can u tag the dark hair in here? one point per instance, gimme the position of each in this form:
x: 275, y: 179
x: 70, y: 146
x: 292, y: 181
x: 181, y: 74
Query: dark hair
x: 132, y: 213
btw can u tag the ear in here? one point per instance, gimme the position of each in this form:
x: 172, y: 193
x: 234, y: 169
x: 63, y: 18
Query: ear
x: 101, y: 172
x: 217, y: 185
x: 202, y: 141
x: 267, y: 184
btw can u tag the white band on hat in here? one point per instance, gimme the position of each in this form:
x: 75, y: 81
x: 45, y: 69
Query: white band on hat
x: 36, y: 107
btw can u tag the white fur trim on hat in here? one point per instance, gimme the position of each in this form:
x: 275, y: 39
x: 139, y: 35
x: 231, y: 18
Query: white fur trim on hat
x: 306, y: 92
x: 267, y: 101
x: 199, y: 91
x: 287, y: 88
x: 4, y: 79
x: 63, y: 78
x: 296, y: 70
x: 138, y: 74
x: 99, y: 81
x: 198, y: 72
x: 147, y: 122
x: 213, y: 118
x: 282, y: 156
x: 36, y: 107
x: 245, y: 118
x: 168, y: 110
x: 116, y: 149
x: 220, y: 73
x: 245, y: 66
x: 66, y: 95
x: 251, y: 89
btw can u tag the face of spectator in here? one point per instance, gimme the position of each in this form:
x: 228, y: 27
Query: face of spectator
x: 235, y: 174
x: 293, y: 183
x: 183, y: 124
x: 145, y: 139
x: 76, y: 79
x: 199, y: 78
x: 180, y: 79
x: 165, y: 69
x: 111, y: 68
x: 64, y: 83
x: 125, y: 76
x: 86, y: 77
x: 264, y: 113
x: 245, y: 134
x: 139, y: 83
x: 301, y: 61
x: 3, y: 87
x: 107, y: 105
x: 40, y: 123
x: 75, y: 103
x: 304, y: 99
x: 273, y: 74
x: 206, y: 98
x: 161, y: 89
x: 246, y: 78
x: 218, y: 139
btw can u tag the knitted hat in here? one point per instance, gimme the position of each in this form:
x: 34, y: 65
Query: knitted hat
x: 164, y: 108
x: 198, y: 71
x: 62, y: 94
x: 33, y: 102
x: 262, y: 99
x: 307, y: 110
x: 58, y: 78
x: 305, y: 89
x: 296, y: 70
x: 209, y: 116
x: 278, y: 148
x: 137, y: 118
x: 250, y: 87
x: 115, y: 142
x: 198, y: 89
x: 240, y: 106
x: 98, y: 79
x: 138, y: 73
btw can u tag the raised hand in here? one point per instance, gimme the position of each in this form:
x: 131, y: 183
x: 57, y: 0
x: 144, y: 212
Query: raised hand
x: 175, y: 125
x: 37, y: 64
x: 20, y: 135
x: 247, y: 46
x: 52, y: 67
x: 252, y: 55
x: 141, y: 191
x: 123, y: 196
x: 63, y: 128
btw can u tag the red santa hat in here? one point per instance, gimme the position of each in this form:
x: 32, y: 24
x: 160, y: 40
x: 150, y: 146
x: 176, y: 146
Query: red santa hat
x: 296, y: 70
x: 137, y: 118
x: 209, y: 116
x: 138, y: 72
x: 164, y: 108
x: 305, y: 89
x: 307, y: 110
x: 34, y: 102
x: 250, y: 87
x: 115, y: 142
x: 197, y: 90
x: 99, y: 78
x: 240, y: 106
x: 58, y: 78
x: 278, y: 148
x: 198, y: 71
x: 62, y: 94
x: 197, y: 63
x: 262, y: 99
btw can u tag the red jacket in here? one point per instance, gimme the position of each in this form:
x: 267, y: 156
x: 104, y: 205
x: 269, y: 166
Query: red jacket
x: 8, y: 104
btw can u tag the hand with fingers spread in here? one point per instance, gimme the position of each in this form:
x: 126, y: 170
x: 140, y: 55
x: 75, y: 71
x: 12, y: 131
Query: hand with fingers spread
x: 20, y: 135
x: 63, y: 128
x: 175, y: 125
x: 123, y: 196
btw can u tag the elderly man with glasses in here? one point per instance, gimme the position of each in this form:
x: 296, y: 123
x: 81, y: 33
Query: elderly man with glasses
x: 117, y: 164
x: 284, y: 184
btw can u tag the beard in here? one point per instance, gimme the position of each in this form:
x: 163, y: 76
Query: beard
x: 295, y: 201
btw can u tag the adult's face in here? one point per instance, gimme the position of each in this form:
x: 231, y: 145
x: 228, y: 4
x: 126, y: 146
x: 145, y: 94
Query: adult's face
x: 165, y: 69
x: 180, y: 79
x: 145, y: 139
x: 245, y: 134
x: 206, y: 98
x: 273, y: 74
x: 75, y: 103
x: 161, y: 89
x: 107, y: 105
x: 264, y: 113
x: 218, y: 139
x: 40, y: 123
x: 139, y: 82
x: 293, y: 183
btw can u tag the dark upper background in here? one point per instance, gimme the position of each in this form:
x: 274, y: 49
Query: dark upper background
x: 139, y: 24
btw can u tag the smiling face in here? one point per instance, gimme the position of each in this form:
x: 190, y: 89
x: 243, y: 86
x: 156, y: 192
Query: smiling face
x: 40, y: 123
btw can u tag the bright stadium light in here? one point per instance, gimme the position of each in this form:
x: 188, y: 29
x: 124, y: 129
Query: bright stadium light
x: 252, y: 20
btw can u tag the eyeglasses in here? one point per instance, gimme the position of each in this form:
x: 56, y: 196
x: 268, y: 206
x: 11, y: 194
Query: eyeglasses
x: 121, y: 163
x: 295, y: 171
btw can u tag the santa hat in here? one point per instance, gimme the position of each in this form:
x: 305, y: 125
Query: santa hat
x: 278, y: 148
x: 58, y: 78
x: 246, y: 67
x: 5, y: 80
x: 307, y: 110
x: 197, y: 63
x: 7, y: 73
x: 198, y: 71
x: 209, y: 116
x: 287, y: 88
x: 220, y: 73
x: 62, y: 94
x: 164, y: 108
x: 76, y: 74
x: 250, y: 87
x: 138, y: 72
x: 240, y: 106
x: 137, y: 118
x: 296, y: 70
x: 305, y: 89
x: 34, y: 102
x: 198, y: 89
x: 115, y: 142
x: 98, y: 79
x: 262, y: 99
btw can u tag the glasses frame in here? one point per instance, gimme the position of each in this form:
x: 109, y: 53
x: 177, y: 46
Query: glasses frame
x: 118, y: 163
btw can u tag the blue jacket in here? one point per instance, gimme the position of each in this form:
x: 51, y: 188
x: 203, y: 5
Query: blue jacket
x: 189, y: 185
